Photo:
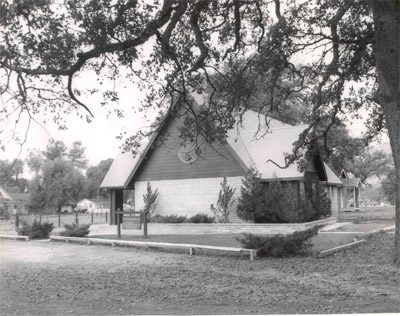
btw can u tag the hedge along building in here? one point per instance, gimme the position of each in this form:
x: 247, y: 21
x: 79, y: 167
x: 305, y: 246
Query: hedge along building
x: 189, y: 182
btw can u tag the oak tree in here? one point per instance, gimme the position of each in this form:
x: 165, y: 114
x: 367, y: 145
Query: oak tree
x: 185, y: 53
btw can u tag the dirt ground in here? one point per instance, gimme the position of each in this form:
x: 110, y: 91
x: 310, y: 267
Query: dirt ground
x: 49, y: 278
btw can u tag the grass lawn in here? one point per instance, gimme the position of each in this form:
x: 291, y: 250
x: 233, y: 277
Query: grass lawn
x: 368, y: 214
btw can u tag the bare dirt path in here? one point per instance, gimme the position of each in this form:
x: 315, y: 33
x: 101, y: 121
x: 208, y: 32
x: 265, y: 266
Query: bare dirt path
x: 45, y: 278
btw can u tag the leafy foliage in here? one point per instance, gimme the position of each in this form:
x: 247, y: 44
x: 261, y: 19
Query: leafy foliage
x: 36, y: 230
x: 221, y: 212
x: 75, y: 230
x: 279, y: 245
x: 149, y: 199
x: 76, y: 155
x: 201, y: 218
x: 389, y: 186
x: 60, y: 183
x: 10, y: 172
x: 55, y: 150
x: 340, y: 149
x: 58, y: 177
x: 95, y: 176
x: 371, y: 164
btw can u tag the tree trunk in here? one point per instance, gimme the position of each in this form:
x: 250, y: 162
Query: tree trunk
x: 387, y: 57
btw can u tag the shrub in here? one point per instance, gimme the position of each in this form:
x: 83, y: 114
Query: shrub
x: 75, y: 230
x: 4, y: 212
x: 280, y: 203
x: 169, y: 219
x: 280, y: 245
x: 221, y: 212
x: 201, y: 218
x: 35, y: 231
x: 275, y: 199
x: 251, y: 199
x: 321, y: 202
x: 292, y: 208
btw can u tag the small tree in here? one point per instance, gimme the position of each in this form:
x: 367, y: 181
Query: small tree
x: 251, y: 199
x: 274, y: 201
x: 221, y: 212
x: 321, y: 202
x: 149, y: 199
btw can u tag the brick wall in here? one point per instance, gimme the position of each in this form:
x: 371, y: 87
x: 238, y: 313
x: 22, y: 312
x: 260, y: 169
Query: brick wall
x: 187, y: 196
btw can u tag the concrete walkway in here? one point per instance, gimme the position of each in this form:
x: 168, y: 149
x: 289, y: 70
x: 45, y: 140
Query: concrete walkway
x: 204, y: 229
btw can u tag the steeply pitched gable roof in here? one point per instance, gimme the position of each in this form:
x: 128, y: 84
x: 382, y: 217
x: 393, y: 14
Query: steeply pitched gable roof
x: 349, y: 181
x: 258, y: 144
x: 263, y: 147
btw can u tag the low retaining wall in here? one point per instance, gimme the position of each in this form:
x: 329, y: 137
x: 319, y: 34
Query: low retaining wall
x: 202, y: 229
x: 148, y: 244
x: 15, y: 237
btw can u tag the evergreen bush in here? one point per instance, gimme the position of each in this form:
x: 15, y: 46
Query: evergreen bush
x: 321, y: 202
x: 280, y: 245
x: 251, y: 202
x: 36, y: 230
x: 201, y: 218
x: 280, y: 203
x: 75, y: 230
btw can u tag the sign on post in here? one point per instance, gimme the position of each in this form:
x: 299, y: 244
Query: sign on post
x: 132, y: 222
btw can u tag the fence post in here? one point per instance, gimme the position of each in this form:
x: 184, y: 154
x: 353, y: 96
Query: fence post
x: 106, y: 218
x: 40, y: 218
x: 16, y: 220
x: 76, y: 218
x: 92, y: 217
x: 118, y: 224
x: 59, y: 219
x: 145, y: 224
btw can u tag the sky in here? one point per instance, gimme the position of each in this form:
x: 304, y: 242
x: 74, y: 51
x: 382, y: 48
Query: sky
x: 99, y: 137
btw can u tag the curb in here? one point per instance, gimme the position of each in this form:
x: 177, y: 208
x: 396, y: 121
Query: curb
x: 148, y: 244
x: 360, y: 238
x: 15, y: 237
x: 331, y: 251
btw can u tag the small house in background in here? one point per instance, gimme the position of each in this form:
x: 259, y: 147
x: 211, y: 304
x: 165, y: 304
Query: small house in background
x: 99, y: 205
x: 349, y: 192
x: 85, y: 205
x: 188, y: 182
x: 102, y: 205
x: 68, y: 207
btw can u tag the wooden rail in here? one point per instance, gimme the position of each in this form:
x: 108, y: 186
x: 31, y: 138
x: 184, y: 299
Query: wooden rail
x: 148, y: 244
x: 331, y: 251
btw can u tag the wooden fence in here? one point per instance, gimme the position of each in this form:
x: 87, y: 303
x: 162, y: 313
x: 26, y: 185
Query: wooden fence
x: 59, y: 220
